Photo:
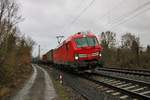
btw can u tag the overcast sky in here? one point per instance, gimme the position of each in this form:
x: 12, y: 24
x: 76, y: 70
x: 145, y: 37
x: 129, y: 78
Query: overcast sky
x: 44, y: 19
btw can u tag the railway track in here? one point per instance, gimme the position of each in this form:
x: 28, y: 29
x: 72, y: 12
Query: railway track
x: 110, y: 85
x: 83, y: 86
x: 122, y: 87
x: 141, y: 72
x: 130, y: 74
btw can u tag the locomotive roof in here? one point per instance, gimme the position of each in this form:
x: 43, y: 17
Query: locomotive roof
x: 77, y: 35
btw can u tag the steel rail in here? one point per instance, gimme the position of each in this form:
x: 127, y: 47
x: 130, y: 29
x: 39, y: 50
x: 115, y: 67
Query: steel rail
x: 122, y: 78
x: 132, y: 94
x: 126, y: 71
x: 123, y: 91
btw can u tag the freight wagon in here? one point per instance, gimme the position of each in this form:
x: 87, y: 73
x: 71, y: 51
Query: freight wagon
x: 48, y: 57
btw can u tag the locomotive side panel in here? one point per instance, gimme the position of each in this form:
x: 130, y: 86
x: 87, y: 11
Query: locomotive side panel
x: 70, y: 52
x: 64, y: 54
x: 60, y: 55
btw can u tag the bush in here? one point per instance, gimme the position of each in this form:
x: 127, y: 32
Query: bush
x: 15, y: 50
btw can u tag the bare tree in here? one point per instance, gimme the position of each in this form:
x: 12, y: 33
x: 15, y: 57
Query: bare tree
x: 15, y: 50
x: 135, y: 50
x: 127, y: 40
x: 132, y: 44
x: 148, y: 49
x: 108, y: 39
x: 8, y: 17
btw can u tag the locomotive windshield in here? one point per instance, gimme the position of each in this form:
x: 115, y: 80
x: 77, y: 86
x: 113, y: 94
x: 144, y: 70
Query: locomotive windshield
x: 86, y: 41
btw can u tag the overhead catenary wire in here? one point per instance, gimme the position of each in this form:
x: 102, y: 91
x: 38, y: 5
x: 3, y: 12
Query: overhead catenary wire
x: 117, y: 20
x: 130, y: 18
x: 66, y: 24
x: 79, y: 15
x: 108, y: 12
x: 84, y: 10
x: 125, y: 16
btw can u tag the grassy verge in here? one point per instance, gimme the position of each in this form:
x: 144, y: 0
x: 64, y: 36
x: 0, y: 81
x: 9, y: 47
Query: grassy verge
x: 64, y: 92
x: 9, y: 89
x: 61, y: 91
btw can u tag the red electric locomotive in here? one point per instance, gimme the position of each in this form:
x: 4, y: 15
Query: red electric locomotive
x: 79, y: 52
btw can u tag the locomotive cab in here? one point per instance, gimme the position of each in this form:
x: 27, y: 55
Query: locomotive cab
x: 87, y: 51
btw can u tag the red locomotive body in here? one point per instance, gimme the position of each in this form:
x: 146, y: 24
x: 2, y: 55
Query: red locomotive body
x: 80, y: 51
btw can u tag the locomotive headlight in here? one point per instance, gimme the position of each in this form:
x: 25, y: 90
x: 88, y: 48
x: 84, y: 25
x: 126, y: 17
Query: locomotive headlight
x: 100, y: 54
x: 76, y: 57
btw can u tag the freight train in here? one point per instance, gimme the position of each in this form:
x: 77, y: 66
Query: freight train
x: 78, y: 52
